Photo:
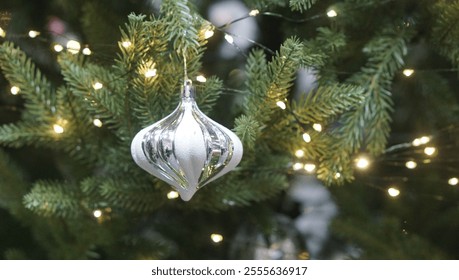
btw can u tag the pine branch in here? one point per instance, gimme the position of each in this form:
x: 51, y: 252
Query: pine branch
x: 301, y: 5
x: 445, y: 30
x: 36, y: 89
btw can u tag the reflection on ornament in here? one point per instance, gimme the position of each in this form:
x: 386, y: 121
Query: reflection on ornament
x: 186, y: 149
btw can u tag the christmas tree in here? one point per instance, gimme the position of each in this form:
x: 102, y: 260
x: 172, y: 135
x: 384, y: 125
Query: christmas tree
x: 347, y: 112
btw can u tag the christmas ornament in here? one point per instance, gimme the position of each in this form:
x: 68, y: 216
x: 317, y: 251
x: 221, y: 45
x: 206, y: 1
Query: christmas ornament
x: 186, y: 149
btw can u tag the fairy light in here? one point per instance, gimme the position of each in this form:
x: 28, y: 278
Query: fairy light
x: 126, y: 44
x: 33, y: 33
x: 309, y: 167
x: 317, y: 127
x: 362, y: 163
x: 281, y: 104
x: 337, y: 175
x: 408, y: 72
x: 15, y: 90
x: 306, y: 137
x: 216, y: 237
x: 2, y: 33
x: 97, y: 85
x: 393, y: 191
x: 254, y: 13
x: 299, y: 153
x: 332, y: 13
x: 201, y: 79
x: 73, y: 46
x: 172, y: 195
x: 297, y: 166
x: 411, y: 164
x: 58, y: 48
x: 58, y: 129
x: 150, y: 73
x: 97, y: 122
x: 229, y: 39
x: 208, y: 33
x: 97, y: 213
x: 421, y: 141
x: 453, y: 181
x: 86, y: 51
x: 429, y: 151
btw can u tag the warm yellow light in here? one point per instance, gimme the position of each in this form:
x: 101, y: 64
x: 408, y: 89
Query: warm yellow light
x: 15, y: 90
x: 254, y: 13
x: 172, y: 195
x: 58, y: 48
x: 299, y: 153
x: 393, y: 191
x: 2, y: 33
x: 337, y: 175
x: 281, y: 104
x: 332, y: 13
x: 309, y: 167
x: 216, y: 238
x: 424, y: 139
x: 97, y: 122
x: 150, y: 73
x: 33, y: 33
x: 317, y: 127
x: 58, y: 129
x: 73, y: 46
x: 430, y: 150
x: 209, y: 33
x: 86, y: 51
x: 229, y: 38
x: 408, y: 72
x: 416, y: 142
x: 97, y: 85
x: 126, y: 44
x: 362, y: 163
x: 453, y: 181
x: 411, y: 164
x: 97, y: 213
x: 201, y: 79
x: 298, y: 166
x: 306, y: 137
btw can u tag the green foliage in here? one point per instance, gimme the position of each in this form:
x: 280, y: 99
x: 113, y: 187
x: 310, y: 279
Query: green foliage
x: 445, y: 30
x: 301, y: 5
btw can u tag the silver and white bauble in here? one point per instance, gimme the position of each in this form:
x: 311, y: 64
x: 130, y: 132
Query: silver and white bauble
x: 186, y: 149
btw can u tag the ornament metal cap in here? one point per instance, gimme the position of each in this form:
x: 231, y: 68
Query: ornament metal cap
x: 187, y: 149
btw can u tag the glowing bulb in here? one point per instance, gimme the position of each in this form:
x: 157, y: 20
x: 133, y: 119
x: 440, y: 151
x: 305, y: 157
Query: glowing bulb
x: 172, y: 195
x: 14, y: 90
x: 97, y: 122
x: 416, y: 142
x: 424, y: 139
x: 73, y: 46
x: 453, y: 181
x: 58, y: 48
x: 337, y: 175
x: 411, y: 164
x: 2, y: 33
x: 150, y: 73
x: 317, y: 127
x: 33, y: 33
x: 332, y: 13
x: 201, y: 79
x: 58, y: 129
x: 281, y: 104
x: 430, y: 150
x: 97, y: 85
x: 86, y: 51
x: 209, y: 33
x: 216, y: 238
x: 309, y: 167
x: 299, y: 153
x: 254, y: 13
x: 392, y: 191
x: 362, y: 163
x: 126, y: 44
x: 229, y: 38
x: 97, y: 213
x: 408, y: 72
x: 298, y: 166
x: 306, y: 137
